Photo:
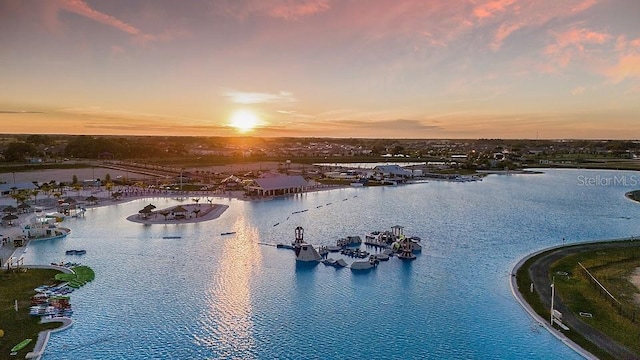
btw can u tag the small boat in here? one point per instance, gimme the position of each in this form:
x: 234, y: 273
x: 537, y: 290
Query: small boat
x: 21, y: 345
x: 75, y: 252
x: 228, y: 233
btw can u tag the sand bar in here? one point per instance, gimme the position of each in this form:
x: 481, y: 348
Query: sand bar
x: 192, y: 213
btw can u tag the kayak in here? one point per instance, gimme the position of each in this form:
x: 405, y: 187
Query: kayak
x: 21, y: 345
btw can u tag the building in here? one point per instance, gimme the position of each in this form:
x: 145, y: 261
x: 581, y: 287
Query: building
x: 281, y: 185
x: 392, y: 171
x: 8, y: 189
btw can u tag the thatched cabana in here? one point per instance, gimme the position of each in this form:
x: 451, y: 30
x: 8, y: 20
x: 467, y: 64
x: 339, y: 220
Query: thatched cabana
x: 24, y: 207
x: 9, y: 218
x: 145, y: 212
x: 91, y: 199
x: 179, y: 212
x: 10, y: 209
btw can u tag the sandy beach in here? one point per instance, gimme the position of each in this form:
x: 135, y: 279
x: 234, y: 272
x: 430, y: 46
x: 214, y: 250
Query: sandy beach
x: 205, y: 211
x: 192, y: 213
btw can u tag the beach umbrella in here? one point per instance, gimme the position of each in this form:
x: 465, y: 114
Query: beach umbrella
x: 179, y: 209
x: 24, y: 206
x: 9, y: 218
x: 91, y: 199
x: 145, y: 211
x: 10, y: 209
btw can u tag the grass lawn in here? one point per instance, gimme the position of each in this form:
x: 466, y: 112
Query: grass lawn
x: 634, y: 195
x: 612, y: 268
x: 18, y: 326
x: 523, y: 280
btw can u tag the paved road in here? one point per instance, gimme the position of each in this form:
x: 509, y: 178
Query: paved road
x: 539, y: 273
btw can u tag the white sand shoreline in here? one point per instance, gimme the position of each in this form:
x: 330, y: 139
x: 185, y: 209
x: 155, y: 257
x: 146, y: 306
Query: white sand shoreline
x: 204, y: 213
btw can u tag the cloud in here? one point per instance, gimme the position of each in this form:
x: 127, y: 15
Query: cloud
x: 50, y: 16
x: 81, y: 8
x: 295, y: 114
x: 510, y: 16
x: 95, y: 119
x: 488, y: 9
x: 574, y: 43
x: 397, y: 125
x: 242, y: 97
x: 584, y: 5
x: 503, y: 32
x: 281, y: 9
x: 99, y: 112
x: 293, y: 10
x: 627, y: 67
x: 20, y: 112
x: 578, y: 91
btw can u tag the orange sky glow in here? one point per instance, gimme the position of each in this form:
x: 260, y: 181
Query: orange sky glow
x: 322, y: 68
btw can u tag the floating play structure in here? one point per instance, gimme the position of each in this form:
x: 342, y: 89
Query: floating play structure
x: 385, y: 245
x: 304, y: 252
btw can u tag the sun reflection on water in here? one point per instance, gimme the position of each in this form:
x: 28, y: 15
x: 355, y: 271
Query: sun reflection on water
x: 228, y: 328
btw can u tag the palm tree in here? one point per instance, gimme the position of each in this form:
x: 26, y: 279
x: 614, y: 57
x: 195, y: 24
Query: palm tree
x: 108, y: 186
x: 46, y: 188
x: 196, y: 211
x: 19, y: 197
x: 35, y: 193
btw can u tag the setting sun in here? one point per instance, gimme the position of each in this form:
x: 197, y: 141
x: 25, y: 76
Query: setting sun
x: 244, y: 120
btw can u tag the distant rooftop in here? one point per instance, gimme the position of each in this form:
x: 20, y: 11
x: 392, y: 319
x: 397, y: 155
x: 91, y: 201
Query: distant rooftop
x: 281, y: 182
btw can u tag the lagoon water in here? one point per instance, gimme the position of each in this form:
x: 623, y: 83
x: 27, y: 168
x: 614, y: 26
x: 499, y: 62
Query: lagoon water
x: 207, y: 296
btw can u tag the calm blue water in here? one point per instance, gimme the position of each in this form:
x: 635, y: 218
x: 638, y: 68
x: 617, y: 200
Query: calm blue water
x: 207, y: 296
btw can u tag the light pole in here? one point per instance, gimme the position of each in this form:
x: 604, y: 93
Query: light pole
x: 553, y: 290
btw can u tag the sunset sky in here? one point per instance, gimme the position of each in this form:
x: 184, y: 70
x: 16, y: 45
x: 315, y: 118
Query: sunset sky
x: 335, y: 68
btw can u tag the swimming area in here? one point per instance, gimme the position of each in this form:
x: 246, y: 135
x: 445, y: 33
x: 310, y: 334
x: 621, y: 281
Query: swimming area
x: 209, y: 296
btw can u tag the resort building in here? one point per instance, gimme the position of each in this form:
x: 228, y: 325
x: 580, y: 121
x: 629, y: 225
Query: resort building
x: 7, y: 189
x: 392, y: 171
x: 281, y: 185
